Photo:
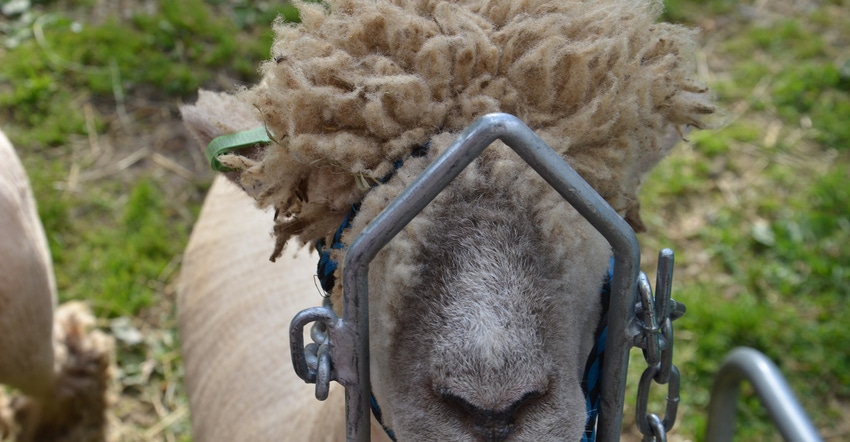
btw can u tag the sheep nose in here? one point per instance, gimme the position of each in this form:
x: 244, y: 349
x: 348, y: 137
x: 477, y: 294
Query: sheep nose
x: 491, y: 425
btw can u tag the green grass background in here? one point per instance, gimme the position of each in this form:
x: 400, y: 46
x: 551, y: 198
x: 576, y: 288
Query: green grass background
x: 758, y: 212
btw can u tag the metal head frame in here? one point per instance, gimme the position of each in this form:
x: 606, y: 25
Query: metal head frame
x: 344, y: 353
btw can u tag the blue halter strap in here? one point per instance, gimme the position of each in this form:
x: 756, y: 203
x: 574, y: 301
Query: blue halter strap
x: 593, y: 368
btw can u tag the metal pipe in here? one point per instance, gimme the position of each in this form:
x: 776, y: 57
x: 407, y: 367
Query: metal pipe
x: 353, y: 351
x: 770, y: 386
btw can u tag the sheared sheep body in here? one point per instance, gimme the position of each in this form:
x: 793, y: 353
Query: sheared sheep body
x: 234, y: 311
x: 27, y: 287
x: 484, y: 307
x: 62, y: 368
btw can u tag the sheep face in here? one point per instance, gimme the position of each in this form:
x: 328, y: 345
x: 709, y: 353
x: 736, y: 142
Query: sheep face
x: 483, y: 309
x: 483, y: 315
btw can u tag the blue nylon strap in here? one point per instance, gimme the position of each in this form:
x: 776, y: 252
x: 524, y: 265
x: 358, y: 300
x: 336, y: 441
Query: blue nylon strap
x: 595, y: 360
x: 327, y: 265
x: 376, y: 410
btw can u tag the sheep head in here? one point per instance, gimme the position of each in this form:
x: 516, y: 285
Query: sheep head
x: 484, y: 307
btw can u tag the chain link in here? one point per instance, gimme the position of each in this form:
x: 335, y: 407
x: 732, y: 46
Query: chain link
x: 657, y: 344
x: 319, y: 358
x: 658, y: 431
x: 314, y: 362
x: 646, y: 381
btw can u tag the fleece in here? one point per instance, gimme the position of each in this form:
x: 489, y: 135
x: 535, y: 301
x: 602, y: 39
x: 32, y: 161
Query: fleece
x: 360, y: 84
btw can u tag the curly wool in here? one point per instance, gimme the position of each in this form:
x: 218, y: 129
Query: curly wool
x: 350, y: 91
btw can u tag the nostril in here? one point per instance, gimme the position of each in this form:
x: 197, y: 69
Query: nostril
x: 491, y: 425
x: 531, y: 395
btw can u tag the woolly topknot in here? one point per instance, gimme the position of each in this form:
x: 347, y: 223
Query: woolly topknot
x: 360, y: 84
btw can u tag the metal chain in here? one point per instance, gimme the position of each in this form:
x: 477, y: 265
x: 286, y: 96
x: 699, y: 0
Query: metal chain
x: 657, y: 344
x: 314, y: 362
x: 659, y: 433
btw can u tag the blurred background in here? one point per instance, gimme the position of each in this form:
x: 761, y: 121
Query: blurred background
x: 757, y: 212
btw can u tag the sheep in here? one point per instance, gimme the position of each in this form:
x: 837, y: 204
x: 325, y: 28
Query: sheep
x: 483, y: 309
x: 27, y: 362
x: 59, y: 365
x: 233, y: 311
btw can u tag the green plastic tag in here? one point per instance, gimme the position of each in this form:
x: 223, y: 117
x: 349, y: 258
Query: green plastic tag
x: 230, y: 142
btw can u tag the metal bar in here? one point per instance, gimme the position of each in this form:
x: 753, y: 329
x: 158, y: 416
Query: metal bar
x: 422, y: 191
x: 770, y: 386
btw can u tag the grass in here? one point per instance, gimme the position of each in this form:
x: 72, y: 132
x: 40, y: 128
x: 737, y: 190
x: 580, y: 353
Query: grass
x: 758, y: 212
x: 89, y: 94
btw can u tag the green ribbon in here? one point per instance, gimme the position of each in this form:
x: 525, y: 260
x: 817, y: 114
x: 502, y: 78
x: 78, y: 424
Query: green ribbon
x: 231, y: 142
